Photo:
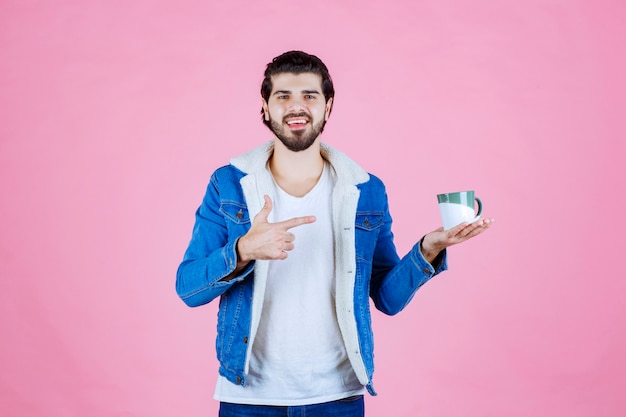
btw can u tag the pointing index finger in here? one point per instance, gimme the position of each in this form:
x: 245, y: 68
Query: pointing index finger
x: 297, y: 221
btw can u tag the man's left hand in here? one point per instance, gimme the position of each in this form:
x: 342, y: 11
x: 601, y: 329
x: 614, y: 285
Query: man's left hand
x: 439, y: 239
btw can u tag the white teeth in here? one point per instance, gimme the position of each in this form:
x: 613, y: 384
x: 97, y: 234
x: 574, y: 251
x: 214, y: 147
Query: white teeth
x: 293, y: 122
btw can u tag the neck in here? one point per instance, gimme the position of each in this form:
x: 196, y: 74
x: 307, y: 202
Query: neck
x: 296, y: 172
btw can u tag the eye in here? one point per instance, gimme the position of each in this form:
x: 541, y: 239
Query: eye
x: 282, y: 97
x: 309, y: 97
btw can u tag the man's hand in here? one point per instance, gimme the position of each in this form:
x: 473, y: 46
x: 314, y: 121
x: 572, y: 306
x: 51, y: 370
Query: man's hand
x: 267, y: 240
x: 439, y: 239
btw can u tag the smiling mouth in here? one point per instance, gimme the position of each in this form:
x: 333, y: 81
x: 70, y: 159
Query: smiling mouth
x: 297, y: 122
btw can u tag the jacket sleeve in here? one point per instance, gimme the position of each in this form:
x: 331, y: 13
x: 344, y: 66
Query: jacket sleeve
x: 394, y: 281
x: 211, y: 254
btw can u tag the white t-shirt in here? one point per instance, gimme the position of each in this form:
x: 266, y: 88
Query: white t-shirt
x: 298, y: 356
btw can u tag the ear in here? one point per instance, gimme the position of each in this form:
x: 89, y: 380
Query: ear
x: 329, y: 107
x: 266, y: 113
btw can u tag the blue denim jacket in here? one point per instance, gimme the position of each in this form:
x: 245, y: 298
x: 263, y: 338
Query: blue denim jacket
x: 366, y: 262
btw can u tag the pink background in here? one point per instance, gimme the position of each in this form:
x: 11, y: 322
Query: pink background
x: 113, y: 114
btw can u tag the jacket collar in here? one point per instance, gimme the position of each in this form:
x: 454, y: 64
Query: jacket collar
x: 346, y: 169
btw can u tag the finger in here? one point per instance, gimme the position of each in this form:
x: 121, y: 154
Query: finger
x: 469, y: 230
x: 296, y: 221
x: 289, y: 237
x: 476, y: 228
x: 281, y: 254
x: 457, y: 230
x: 265, y: 211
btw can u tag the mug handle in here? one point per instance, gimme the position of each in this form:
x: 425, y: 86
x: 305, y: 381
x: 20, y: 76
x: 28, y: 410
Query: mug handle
x: 480, y: 206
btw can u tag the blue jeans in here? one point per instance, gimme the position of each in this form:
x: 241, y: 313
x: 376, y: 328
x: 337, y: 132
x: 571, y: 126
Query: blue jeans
x: 347, y: 407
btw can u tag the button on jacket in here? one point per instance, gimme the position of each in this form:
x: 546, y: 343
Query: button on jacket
x: 366, y: 261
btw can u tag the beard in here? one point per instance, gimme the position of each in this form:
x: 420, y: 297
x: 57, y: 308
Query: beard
x: 298, y: 140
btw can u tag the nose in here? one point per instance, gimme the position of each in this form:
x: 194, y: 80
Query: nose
x: 296, y: 104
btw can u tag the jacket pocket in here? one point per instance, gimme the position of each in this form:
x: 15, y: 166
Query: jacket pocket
x: 235, y: 212
x: 367, y: 227
x: 369, y: 220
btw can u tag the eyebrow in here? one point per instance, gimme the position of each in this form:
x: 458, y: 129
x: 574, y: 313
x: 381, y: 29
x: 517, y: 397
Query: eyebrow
x: 280, y: 92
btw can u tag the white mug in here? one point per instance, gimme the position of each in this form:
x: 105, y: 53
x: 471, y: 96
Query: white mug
x: 456, y: 208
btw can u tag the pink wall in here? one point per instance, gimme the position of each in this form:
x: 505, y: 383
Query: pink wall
x: 113, y: 114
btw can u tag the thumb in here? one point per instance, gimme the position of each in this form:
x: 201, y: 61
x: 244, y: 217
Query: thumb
x: 265, y: 211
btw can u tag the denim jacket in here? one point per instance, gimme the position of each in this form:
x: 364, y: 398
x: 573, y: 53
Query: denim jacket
x: 366, y: 262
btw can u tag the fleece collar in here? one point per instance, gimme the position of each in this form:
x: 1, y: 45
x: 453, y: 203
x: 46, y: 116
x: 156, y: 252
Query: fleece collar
x: 346, y: 169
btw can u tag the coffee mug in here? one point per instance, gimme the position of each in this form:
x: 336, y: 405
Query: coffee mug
x: 456, y: 208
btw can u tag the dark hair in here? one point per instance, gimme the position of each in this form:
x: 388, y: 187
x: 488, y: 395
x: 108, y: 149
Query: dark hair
x: 296, y: 62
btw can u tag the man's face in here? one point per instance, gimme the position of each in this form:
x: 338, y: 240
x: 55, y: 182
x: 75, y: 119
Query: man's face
x: 297, y: 109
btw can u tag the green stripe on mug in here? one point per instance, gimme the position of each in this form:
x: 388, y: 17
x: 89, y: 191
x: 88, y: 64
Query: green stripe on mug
x: 465, y: 198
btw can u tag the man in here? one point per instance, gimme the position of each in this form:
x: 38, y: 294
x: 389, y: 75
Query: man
x: 294, y: 237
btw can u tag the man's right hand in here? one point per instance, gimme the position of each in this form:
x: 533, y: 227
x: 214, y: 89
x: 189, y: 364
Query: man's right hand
x: 267, y: 240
